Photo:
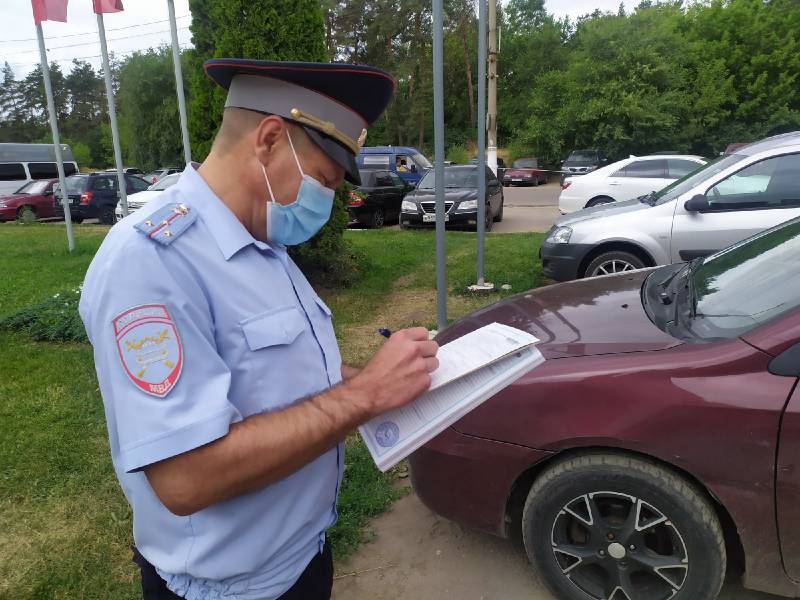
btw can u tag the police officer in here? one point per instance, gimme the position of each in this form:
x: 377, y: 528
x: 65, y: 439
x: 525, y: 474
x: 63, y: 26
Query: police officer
x: 223, y: 387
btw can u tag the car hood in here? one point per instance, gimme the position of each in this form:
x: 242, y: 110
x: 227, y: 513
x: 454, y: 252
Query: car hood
x: 450, y: 194
x: 520, y: 170
x: 601, y: 211
x: 13, y: 198
x: 588, y: 317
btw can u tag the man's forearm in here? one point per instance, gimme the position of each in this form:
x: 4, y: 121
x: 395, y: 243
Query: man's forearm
x: 257, y: 451
x: 349, y: 372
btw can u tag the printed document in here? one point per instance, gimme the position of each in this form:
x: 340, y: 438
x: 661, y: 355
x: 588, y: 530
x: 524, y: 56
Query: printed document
x: 471, y: 369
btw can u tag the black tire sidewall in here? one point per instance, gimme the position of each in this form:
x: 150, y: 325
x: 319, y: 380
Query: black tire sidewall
x: 705, y: 573
x: 614, y: 254
x: 105, y: 211
x: 373, y: 219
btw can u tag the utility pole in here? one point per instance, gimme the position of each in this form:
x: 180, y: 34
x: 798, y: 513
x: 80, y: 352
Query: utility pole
x: 491, y: 117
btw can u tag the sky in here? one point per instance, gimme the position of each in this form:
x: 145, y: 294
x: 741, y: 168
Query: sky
x: 143, y: 24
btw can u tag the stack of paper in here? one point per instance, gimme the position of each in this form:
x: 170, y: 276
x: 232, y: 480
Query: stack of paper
x: 471, y: 369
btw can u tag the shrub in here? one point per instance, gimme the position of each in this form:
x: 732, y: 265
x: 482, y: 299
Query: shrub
x: 458, y: 153
x: 56, y: 319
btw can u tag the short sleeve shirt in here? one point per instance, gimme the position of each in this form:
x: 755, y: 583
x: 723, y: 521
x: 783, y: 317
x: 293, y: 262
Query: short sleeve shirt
x: 189, y: 337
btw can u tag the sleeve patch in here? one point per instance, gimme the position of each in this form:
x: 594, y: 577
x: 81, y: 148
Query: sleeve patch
x: 149, y: 348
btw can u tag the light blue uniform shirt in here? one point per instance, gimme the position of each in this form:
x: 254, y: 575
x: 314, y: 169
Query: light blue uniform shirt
x: 197, y: 325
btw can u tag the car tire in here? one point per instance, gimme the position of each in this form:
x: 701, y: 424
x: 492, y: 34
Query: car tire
x: 108, y: 215
x: 377, y: 219
x: 76, y: 220
x: 488, y: 219
x: 499, y: 216
x: 613, y: 262
x: 599, y: 200
x: 26, y: 214
x: 594, y: 522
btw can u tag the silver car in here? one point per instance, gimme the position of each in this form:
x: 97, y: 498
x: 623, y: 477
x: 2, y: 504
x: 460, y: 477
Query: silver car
x: 726, y: 201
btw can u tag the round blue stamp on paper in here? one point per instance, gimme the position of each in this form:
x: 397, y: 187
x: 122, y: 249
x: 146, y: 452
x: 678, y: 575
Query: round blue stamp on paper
x: 387, y: 434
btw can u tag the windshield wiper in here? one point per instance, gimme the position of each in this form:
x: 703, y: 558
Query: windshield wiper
x: 690, y: 268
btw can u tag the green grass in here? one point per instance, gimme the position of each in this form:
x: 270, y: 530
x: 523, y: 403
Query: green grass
x: 65, y: 527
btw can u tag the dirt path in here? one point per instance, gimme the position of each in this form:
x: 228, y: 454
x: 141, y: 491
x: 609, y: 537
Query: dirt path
x: 417, y: 555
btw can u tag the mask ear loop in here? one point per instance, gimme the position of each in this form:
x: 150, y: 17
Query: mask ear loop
x: 269, y: 187
x: 294, y: 153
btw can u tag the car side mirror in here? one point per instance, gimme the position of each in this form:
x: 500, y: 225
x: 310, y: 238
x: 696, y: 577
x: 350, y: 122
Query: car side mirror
x: 413, y: 168
x: 698, y: 203
x: 48, y: 192
x: 787, y: 363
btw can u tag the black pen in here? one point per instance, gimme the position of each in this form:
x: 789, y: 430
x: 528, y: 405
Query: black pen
x: 385, y: 332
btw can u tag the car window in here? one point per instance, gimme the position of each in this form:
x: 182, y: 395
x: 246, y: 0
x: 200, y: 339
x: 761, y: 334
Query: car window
x: 396, y: 181
x: 678, y: 167
x: 138, y: 185
x: 454, y: 177
x: 367, y: 178
x: 381, y: 160
x: 771, y: 183
x: 165, y: 182
x: 102, y: 184
x: 382, y: 179
x: 525, y: 163
x: 686, y: 183
x: 76, y: 185
x: 33, y: 187
x: 12, y: 171
x: 43, y: 170
x: 652, y: 169
x: 748, y: 284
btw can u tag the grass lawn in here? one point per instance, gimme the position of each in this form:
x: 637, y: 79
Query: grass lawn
x: 64, y: 525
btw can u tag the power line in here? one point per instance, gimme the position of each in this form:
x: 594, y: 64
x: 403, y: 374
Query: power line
x: 116, y: 55
x: 124, y: 37
x: 57, y: 37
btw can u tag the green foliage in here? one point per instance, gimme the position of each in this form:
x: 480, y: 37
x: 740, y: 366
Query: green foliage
x: 149, y: 122
x: 277, y: 30
x: 458, y: 153
x: 56, y: 319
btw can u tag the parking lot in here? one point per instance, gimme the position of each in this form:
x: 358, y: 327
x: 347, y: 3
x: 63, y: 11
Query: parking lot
x: 529, y: 208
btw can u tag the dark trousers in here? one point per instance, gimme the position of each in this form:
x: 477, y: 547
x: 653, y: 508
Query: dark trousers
x: 315, y: 583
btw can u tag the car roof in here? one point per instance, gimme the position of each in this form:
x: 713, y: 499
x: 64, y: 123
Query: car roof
x: 770, y: 143
x: 383, y: 149
x: 662, y: 156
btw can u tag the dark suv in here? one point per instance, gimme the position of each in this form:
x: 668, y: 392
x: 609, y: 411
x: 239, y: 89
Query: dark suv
x: 94, y: 195
x: 580, y: 162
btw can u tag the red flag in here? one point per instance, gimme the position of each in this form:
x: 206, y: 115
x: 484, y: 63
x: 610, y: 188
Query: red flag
x: 107, y: 6
x: 49, y: 10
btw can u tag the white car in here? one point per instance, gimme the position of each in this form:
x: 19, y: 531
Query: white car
x: 144, y: 197
x: 729, y: 199
x: 625, y: 180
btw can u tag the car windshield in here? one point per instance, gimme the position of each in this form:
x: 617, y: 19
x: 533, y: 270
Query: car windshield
x: 687, y: 182
x: 33, y: 187
x: 747, y: 284
x: 453, y: 178
x: 582, y: 156
x: 165, y: 182
x: 76, y: 185
x: 422, y: 161
x: 525, y: 163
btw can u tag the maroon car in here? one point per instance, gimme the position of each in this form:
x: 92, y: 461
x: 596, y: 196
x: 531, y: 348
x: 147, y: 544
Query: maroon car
x: 35, y: 197
x: 659, y: 440
x: 525, y: 171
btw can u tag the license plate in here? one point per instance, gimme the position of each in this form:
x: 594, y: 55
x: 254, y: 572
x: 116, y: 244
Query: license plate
x: 430, y: 218
x: 516, y: 179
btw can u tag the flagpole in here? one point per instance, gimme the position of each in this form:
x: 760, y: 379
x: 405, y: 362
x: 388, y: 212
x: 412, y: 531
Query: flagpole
x: 112, y: 116
x: 51, y: 110
x: 176, y: 60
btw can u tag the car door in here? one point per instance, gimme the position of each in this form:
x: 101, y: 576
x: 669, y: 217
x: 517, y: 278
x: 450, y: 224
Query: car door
x: 383, y: 188
x: 394, y: 197
x: 761, y: 195
x: 494, y: 192
x: 104, y: 190
x: 638, y: 178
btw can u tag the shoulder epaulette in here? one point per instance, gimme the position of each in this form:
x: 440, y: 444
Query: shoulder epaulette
x: 167, y: 223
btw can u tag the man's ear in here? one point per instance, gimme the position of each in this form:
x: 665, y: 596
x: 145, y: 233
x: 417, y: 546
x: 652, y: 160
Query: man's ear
x: 266, y: 136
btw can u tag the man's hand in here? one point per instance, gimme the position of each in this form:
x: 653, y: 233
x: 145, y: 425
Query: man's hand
x: 398, y: 373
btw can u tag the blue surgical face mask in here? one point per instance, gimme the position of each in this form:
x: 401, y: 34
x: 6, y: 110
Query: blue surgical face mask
x: 297, y: 222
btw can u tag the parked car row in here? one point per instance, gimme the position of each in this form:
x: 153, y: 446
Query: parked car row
x: 660, y: 439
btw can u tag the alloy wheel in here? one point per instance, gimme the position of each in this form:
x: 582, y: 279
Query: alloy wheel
x: 618, y: 547
x: 613, y: 266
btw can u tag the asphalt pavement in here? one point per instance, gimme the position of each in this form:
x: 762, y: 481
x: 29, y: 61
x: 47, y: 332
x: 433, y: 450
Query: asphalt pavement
x: 529, y: 208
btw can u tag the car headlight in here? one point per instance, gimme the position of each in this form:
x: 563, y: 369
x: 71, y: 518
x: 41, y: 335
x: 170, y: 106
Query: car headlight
x: 408, y: 206
x: 3, y: 205
x: 559, y: 236
x: 468, y: 205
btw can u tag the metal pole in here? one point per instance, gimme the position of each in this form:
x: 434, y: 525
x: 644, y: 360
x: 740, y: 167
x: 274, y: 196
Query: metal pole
x: 438, y: 137
x: 122, y: 192
x: 176, y: 60
x: 481, y: 136
x: 492, y: 150
x: 51, y: 109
